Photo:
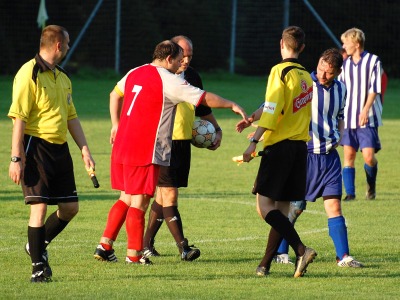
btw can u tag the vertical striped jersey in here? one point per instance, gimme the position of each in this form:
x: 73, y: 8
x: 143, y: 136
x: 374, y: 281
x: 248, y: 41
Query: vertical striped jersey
x: 360, y: 80
x: 327, y: 108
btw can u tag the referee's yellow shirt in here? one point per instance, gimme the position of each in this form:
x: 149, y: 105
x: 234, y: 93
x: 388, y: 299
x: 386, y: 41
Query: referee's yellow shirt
x: 43, y: 100
x: 287, y: 110
x: 183, y: 123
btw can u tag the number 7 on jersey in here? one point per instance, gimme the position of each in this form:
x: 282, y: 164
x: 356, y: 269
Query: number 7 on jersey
x: 136, y: 90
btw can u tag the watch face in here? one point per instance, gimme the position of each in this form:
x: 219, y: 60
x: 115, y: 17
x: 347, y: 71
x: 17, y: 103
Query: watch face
x: 15, y: 159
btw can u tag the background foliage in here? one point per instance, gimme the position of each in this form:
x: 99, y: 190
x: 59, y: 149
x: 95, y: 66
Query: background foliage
x: 207, y: 22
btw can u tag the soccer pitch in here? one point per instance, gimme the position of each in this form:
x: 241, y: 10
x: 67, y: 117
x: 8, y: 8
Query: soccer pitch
x: 219, y: 216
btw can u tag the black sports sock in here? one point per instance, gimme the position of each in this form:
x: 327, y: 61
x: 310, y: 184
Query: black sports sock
x: 286, y: 229
x: 54, y: 225
x: 36, y: 237
x: 173, y: 220
x: 156, y: 218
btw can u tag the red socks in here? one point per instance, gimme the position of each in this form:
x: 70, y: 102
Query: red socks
x: 135, y: 228
x: 116, y: 217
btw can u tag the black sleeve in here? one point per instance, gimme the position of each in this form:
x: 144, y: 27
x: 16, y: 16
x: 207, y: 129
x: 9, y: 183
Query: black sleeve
x: 194, y: 79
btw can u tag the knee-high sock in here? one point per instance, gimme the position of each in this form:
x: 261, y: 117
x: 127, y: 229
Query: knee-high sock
x: 349, y: 175
x: 338, y: 233
x: 274, y: 239
x: 156, y: 218
x: 36, y: 236
x: 174, y: 222
x: 54, y: 225
x: 116, y: 217
x: 283, y: 226
x: 371, y: 173
x: 135, y: 228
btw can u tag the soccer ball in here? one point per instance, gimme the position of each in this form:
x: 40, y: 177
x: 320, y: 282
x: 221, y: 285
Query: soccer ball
x: 203, y: 134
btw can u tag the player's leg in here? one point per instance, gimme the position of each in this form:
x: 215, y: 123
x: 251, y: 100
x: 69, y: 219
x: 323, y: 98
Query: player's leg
x: 115, y: 219
x: 287, y: 180
x: 135, y: 222
x: 349, y: 172
x: 350, y: 146
x: 369, y: 145
x: 39, y: 193
x: 174, y: 223
x: 295, y: 210
x: 337, y: 227
x: 281, y: 228
x: 36, y: 242
x: 338, y: 233
x: 140, y: 185
x: 156, y: 218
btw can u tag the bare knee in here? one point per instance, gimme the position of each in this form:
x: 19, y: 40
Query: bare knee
x: 67, y: 211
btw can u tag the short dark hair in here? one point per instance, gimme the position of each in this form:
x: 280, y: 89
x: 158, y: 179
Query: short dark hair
x: 294, y: 37
x: 165, y: 49
x: 52, y: 34
x: 333, y: 57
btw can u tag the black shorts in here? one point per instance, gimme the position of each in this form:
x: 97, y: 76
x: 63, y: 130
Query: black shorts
x: 49, y: 172
x: 282, y: 172
x: 177, y: 174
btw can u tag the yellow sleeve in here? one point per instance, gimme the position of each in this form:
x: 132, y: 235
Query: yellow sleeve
x: 274, y: 101
x: 22, y: 97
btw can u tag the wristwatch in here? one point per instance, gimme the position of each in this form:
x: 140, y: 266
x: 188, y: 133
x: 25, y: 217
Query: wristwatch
x: 253, y: 140
x: 15, y: 159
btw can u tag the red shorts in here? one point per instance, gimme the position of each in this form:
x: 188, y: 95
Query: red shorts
x: 134, y: 180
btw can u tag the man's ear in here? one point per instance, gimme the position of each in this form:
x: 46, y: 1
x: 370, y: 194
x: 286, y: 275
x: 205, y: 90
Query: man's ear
x: 169, y: 59
x: 302, y: 48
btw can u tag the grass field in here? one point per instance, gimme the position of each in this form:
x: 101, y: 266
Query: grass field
x: 219, y: 217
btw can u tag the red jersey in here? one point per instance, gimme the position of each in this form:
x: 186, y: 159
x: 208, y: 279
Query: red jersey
x: 144, y: 133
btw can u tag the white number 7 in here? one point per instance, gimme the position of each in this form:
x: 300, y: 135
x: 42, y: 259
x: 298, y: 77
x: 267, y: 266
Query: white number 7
x: 136, y: 90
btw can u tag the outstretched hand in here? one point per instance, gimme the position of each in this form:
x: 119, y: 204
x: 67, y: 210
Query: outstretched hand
x: 243, y: 124
x: 240, y: 111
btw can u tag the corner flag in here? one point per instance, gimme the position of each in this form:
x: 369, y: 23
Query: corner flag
x: 42, y: 15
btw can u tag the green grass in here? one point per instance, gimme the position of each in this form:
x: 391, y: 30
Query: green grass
x: 219, y: 217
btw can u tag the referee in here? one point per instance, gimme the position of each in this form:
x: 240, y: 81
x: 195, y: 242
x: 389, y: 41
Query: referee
x: 42, y: 111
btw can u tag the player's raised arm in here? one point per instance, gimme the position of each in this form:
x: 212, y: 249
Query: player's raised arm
x: 213, y: 100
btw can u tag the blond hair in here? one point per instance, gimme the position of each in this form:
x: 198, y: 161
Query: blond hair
x: 355, y: 34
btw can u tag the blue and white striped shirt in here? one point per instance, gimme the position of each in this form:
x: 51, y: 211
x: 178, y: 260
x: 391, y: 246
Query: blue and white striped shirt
x: 360, y: 80
x: 327, y: 108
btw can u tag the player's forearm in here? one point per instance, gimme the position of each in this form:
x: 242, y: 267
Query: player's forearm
x: 76, y: 131
x: 257, y: 114
x: 213, y: 100
x: 370, y: 100
x: 17, y: 148
x: 210, y: 118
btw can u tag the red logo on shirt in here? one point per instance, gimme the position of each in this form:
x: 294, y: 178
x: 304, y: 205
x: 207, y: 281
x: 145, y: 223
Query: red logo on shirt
x: 302, y: 100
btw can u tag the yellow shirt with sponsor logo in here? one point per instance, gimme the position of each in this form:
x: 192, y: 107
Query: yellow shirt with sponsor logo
x: 42, y: 98
x: 287, y: 110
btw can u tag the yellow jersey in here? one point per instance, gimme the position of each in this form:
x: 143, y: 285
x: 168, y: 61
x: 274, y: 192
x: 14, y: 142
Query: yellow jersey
x: 42, y: 98
x: 287, y: 110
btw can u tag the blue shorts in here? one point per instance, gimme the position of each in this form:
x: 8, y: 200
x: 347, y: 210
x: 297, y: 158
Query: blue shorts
x: 361, y: 138
x: 324, y: 176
